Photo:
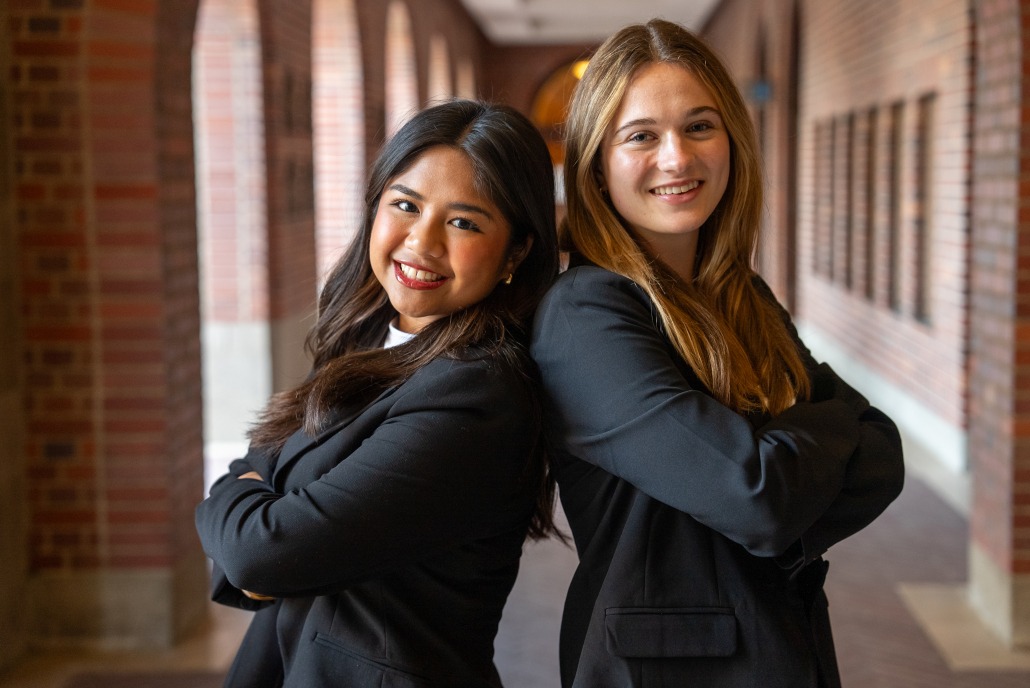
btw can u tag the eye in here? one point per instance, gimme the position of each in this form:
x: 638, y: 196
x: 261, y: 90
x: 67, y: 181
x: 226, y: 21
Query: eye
x: 700, y: 127
x: 404, y: 205
x: 639, y: 137
x: 465, y: 224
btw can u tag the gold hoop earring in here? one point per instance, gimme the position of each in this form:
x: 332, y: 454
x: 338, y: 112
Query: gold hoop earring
x: 511, y: 275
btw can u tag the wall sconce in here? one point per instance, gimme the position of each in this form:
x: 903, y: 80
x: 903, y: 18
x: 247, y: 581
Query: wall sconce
x: 760, y: 91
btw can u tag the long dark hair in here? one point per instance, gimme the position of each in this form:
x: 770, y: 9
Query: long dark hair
x: 512, y: 167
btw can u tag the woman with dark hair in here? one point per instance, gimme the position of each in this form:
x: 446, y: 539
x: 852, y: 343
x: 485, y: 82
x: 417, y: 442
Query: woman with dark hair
x: 377, y: 521
x: 705, y: 461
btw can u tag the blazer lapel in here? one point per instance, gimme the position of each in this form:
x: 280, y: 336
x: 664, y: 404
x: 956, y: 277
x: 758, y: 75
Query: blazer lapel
x: 300, y: 443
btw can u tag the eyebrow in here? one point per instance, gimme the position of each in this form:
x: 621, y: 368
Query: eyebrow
x: 693, y: 112
x: 464, y: 207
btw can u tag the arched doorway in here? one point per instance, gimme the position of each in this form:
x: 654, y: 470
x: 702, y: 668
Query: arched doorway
x: 551, y: 105
x: 549, y: 111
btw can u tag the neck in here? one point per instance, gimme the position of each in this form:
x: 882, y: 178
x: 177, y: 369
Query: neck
x: 677, y: 252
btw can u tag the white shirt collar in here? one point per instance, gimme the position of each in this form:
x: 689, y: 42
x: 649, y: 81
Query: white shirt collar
x: 395, y: 336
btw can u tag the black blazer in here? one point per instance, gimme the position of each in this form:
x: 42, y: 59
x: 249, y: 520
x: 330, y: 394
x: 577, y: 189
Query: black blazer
x: 699, y: 530
x: 391, y: 539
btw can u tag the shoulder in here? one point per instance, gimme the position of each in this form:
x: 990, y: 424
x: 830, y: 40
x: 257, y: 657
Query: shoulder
x: 484, y: 403
x: 589, y: 278
x: 588, y: 291
x: 593, y: 318
x: 479, y: 379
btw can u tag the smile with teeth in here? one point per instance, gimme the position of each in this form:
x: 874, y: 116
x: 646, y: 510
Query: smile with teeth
x: 674, y: 190
x: 419, y: 275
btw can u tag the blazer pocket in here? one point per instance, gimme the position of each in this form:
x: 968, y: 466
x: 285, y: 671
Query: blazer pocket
x: 671, y: 632
x: 349, y: 668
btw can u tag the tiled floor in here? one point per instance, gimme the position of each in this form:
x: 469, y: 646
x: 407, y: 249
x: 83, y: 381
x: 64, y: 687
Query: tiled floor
x: 911, y: 555
x: 210, y: 648
x: 894, y: 589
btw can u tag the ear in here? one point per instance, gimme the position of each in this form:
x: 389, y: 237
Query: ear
x: 518, y: 254
x: 599, y: 175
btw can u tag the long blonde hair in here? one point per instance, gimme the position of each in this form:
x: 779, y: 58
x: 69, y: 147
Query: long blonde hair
x: 733, y: 338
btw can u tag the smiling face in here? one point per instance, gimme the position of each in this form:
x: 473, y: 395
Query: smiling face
x: 437, y: 243
x: 665, y: 160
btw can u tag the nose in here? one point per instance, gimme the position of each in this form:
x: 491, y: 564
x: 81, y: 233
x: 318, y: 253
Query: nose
x: 425, y: 237
x: 673, y: 154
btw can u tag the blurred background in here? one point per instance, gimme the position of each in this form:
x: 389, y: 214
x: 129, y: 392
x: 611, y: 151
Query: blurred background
x: 176, y: 176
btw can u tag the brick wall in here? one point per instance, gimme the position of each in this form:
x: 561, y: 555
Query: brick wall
x: 104, y: 222
x: 880, y: 269
x: 401, y: 87
x: 513, y: 74
x: 758, y: 42
x: 429, y: 18
x: 999, y: 435
x: 286, y: 40
x: 868, y: 185
x: 231, y: 157
x: 339, y: 127
x: 142, y: 238
x: 910, y: 268
x: 13, y: 552
x: 180, y: 465
x: 58, y: 298
x: 864, y: 65
x: 866, y: 141
x: 103, y: 276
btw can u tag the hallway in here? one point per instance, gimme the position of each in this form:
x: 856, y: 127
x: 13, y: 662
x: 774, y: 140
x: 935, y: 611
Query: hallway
x: 896, y: 147
x: 881, y: 583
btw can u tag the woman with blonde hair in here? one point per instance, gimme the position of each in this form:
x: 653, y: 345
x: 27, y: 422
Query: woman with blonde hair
x: 705, y: 461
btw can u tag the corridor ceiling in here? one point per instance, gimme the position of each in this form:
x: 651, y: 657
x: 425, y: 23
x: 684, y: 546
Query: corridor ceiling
x: 509, y: 22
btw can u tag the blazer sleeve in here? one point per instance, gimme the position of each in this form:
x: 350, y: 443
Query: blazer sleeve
x: 446, y: 465
x: 261, y: 461
x: 620, y: 401
x: 875, y: 472
x: 222, y: 591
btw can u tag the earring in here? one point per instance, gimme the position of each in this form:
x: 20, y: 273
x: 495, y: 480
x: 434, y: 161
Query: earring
x: 509, y: 278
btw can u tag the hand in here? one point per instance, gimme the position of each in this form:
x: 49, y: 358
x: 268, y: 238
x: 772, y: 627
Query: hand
x: 251, y: 475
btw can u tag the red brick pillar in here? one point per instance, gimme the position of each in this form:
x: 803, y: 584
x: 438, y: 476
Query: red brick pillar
x: 339, y: 128
x: 293, y: 274
x: 14, y: 570
x: 105, y: 213
x: 999, y: 421
x: 372, y: 34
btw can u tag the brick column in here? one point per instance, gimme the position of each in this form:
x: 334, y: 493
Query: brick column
x: 289, y: 155
x: 999, y: 420
x: 105, y: 229
x: 14, y: 571
x: 339, y: 128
